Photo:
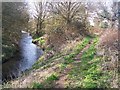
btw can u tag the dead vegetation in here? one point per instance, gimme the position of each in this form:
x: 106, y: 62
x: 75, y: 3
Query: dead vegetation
x: 110, y: 39
x: 108, y: 45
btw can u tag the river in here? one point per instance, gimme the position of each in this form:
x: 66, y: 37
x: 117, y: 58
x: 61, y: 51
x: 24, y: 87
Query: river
x: 23, y: 60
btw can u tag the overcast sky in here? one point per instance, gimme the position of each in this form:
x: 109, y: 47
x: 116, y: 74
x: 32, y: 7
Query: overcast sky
x: 31, y: 2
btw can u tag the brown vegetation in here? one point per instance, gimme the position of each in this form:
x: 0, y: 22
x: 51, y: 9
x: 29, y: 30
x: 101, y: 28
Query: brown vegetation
x: 110, y: 39
x: 108, y: 45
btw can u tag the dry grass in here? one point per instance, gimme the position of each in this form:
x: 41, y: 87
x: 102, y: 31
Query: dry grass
x: 96, y: 30
x: 109, y: 44
x: 56, y: 40
x: 109, y: 39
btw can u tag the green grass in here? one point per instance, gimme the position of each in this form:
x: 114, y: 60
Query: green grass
x: 52, y: 77
x: 37, y: 85
x: 69, y: 58
x: 48, y: 82
x: 92, y: 70
x: 62, y: 66
x: 41, y: 63
x: 88, y: 71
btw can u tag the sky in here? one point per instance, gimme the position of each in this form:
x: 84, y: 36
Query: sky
x: 32, y: 9
x: 54, y: 0
x: 108, y: 2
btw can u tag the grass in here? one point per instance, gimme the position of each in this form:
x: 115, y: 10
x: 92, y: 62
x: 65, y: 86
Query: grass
x: 52, y: 77
x: 41, y: 63
x: 37, y: 85
x: 65, y: 59
x: 48, y: 82
x: 88, y: 71
x: 84, y: 74
x: 69, y: 58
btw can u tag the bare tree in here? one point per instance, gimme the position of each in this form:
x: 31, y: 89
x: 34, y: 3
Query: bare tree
x: 40, y: 8
x: 110, y: 15
x: 67, y: 10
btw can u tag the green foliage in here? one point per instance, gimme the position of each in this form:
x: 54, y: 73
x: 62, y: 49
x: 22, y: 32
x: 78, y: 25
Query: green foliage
x: 40, y: 40
x: 37, y: 85
x: 92, y: 70
x: 52, y: 77
x: 39, y: 64
x: 47, y: 82
x: 88, y: 82
x: 89, y: 54
x: 62, y: 66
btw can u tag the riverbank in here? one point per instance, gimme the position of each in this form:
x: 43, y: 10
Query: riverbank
x: 55, y: 71
x: 23, y: 60
x: 15, y: 52
x: 78, y: 65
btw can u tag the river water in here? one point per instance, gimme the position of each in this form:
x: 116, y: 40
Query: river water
x: 28, y: 55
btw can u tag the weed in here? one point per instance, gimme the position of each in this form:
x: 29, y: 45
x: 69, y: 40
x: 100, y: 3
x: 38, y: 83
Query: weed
x: 37, y: 85
x: 52, y: 77
x: 62, y: 66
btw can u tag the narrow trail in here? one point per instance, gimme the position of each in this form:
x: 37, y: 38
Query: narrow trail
x: 63, y: 77
x: 77, y: 58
